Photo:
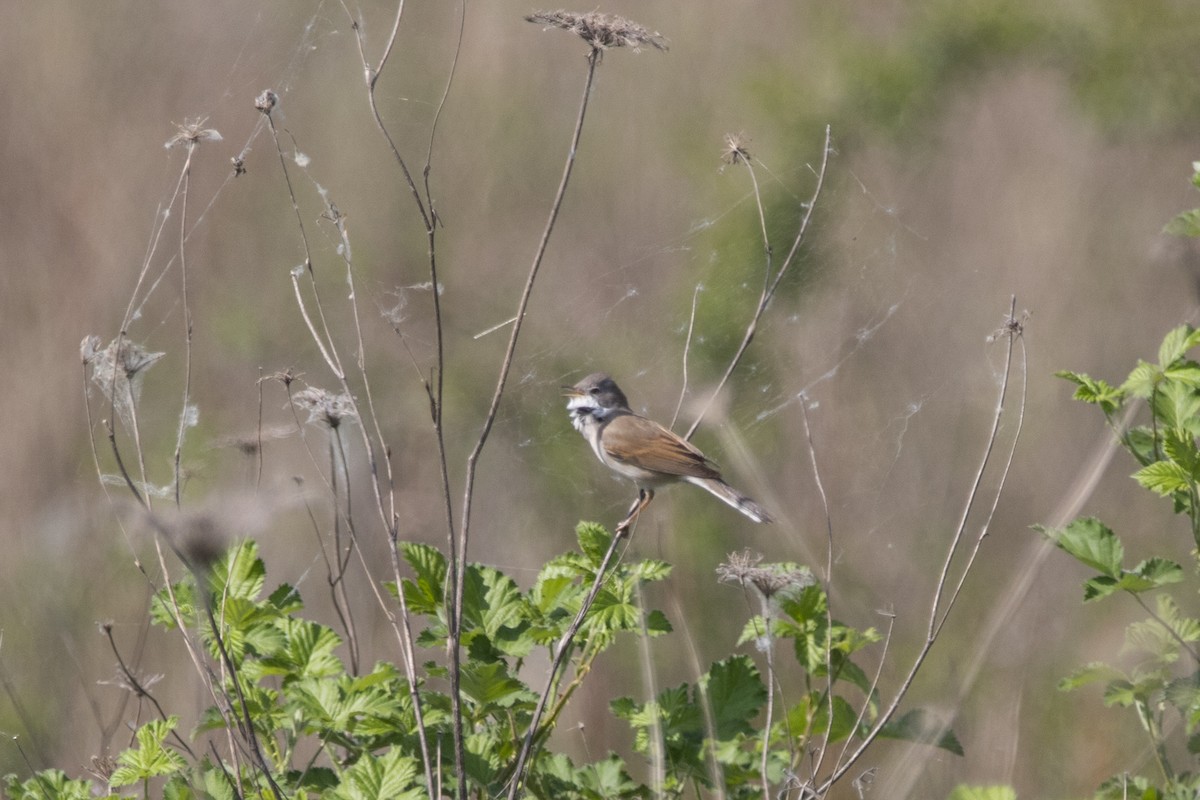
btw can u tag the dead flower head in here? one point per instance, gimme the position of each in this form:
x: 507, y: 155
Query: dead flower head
x: 746, y: 568
x: 736, y: 148
x: 191, y: 133
x: 324, y: 406
x: 266, y: 101
x: 601, y: 31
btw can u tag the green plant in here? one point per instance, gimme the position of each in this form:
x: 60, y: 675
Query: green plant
x: 1162, y: 688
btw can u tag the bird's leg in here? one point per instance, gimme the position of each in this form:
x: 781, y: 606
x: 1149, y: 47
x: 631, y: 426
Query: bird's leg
x: 643, y: 500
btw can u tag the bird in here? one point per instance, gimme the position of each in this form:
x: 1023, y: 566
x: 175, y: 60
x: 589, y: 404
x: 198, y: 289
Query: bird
x: 643, y: 451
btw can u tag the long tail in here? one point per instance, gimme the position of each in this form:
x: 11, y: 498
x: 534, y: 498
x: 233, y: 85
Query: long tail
x: 733, y: 497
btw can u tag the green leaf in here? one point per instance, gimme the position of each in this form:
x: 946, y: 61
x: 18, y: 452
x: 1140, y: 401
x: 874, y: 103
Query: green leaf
x: 240, y: 573
x: 1091, y: 390
x: 1090, y: 541
x: 1094, y: 672
x: 390, y: 776
x: 150, y: 758
x: 1176, y: 344
x: 490, y: 686
x: 919, y: 726
x: 735, y: 693
x: 307, y: 650
x: 964, y: 792
x: 1184, y: 224
x: 1143, y: 380
x: 594, y: 540
x: 50, y: 783
x: 425, y: 593
x: 1163, y: 477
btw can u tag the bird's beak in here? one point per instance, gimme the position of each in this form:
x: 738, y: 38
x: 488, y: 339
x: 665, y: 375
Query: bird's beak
x: 571, y: 391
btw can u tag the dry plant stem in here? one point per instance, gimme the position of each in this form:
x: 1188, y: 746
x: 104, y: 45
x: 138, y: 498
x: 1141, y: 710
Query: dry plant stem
x: 938, y: 616
x: 812, y: 455
x: 329, y: 353
x: 687, y: 347
x: 245, y: 720
x: 323, y: 342
x: 771, y: 286
x: 258, y: 448
x: 138, y: 689
x: 220, y: 762
x: 560, y: 654
x: 593, y: 60
x: 657, y: 757
x: 371, y: 76
x: 770, y: 716
x: 337, y: 464
x: 187, y: 324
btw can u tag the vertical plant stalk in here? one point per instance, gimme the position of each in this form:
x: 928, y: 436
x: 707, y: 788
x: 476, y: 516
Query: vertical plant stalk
x: 371, y: 75
x: 938, y: 615
x: 771, y: 284
x: 560, y: 654
x: 184, y: 413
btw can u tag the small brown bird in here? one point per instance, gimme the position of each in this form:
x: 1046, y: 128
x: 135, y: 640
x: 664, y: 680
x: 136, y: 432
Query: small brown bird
x: 642, y: 450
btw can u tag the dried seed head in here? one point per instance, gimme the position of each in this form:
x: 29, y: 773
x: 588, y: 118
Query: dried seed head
x: 266, y: 101
x: 117, y: 369
x: 191, y: 133
x: 736, y: 148
x: 769, y: 579
x: 325, y: 406
x: 601, y: 31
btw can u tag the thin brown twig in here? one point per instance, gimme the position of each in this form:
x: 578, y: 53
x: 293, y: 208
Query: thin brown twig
x: 185, y: 409
x: 593, y: 61
x: 936, y: 618
x: 403, y: 630
x: 771, y: 288
x: 687, y: 347
x: 560, y: 653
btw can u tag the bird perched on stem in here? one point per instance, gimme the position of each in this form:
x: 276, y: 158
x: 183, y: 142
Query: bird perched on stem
x: 642, y: 450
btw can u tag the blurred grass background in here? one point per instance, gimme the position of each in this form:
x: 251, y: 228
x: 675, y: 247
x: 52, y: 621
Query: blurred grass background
x: 982, y: 150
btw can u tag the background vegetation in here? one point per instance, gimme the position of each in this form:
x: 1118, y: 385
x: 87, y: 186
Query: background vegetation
x: 983, y: 150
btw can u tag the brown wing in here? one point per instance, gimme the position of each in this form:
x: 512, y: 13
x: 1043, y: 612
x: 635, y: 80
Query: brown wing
x: 643, y: 443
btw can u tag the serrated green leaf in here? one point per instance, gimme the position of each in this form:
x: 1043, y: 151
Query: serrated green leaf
x: 1092, y: 542
x: 1160, y: 572
x: 425, y: 592
x: 1098, y: 587
x: 150, y: 759
x: 1095, y: 391
x: 390, y: 776
x: 1184, y: 224
x: 1163, y: 478
x: 50, y: 783
x: 239, y: 573
x: 1143, y: 380
x: 735, y: 693
x: 657, y: 623
x: 490, y: 686
x: 1094, y: 672
x: 594, y: 540
x: 1175, y: 345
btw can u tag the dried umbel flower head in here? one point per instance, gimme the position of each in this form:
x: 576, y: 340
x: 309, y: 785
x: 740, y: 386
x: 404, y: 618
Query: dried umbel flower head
x: 746, y: 568
x: 324, y: 406
x: 191, y: 133
x: 266, y: 101
x: 601, y: 31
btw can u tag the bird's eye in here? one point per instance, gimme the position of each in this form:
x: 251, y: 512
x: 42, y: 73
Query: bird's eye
x: 594, y: 390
